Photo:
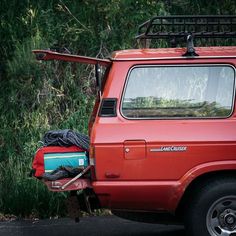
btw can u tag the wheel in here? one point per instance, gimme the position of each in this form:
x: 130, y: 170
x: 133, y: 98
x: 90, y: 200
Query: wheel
x: 212, y: 209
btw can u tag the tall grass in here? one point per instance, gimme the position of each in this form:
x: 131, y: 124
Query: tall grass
x: 41, y: 96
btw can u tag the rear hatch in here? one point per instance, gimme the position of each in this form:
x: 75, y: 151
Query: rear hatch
x: 49, y: 159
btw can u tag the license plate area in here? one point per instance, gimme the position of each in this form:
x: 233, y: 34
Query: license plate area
x: 56, y: 186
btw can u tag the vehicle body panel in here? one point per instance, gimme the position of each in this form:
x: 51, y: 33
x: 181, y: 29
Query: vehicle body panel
x: 157, y: 181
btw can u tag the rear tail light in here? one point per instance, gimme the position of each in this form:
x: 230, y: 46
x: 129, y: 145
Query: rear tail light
x: 92, y: 162
x: 92, y: 155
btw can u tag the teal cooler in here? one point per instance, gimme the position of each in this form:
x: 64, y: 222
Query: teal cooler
x: 72, y: 159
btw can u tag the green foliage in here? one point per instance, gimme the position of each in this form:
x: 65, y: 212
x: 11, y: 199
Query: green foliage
x: 36, y: 97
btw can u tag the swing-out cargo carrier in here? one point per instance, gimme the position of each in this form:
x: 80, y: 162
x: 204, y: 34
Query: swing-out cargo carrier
x: 163, y: 129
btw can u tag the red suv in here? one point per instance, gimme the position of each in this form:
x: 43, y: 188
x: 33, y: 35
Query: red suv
x: 163, y: 129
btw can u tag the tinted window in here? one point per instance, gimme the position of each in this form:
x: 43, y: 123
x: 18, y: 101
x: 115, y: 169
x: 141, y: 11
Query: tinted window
x: 186, y: 91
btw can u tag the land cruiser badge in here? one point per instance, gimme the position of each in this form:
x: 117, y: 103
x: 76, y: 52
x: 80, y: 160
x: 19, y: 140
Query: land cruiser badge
x: 169, y: 149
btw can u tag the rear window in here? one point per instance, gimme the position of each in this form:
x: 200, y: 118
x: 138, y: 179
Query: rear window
x: 179, y: 92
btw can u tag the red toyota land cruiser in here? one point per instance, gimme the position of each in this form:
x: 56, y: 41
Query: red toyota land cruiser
x: 163, y: 129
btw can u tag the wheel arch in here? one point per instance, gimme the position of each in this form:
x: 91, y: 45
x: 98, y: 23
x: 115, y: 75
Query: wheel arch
x: 196, y: 183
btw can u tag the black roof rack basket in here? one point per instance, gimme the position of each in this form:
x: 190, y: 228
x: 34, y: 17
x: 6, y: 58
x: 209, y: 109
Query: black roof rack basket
x: 187, y: 27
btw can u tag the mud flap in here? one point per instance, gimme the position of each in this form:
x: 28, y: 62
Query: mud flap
x: 73, y: 207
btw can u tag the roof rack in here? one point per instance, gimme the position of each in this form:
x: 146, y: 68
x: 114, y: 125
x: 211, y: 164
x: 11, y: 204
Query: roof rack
x: 187, y: 28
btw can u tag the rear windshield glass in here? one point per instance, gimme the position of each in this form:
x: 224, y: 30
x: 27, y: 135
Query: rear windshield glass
x: 177, y: 92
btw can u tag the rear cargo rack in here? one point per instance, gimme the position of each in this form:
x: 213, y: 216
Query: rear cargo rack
x: 75, y: 183
x: 177, y: 28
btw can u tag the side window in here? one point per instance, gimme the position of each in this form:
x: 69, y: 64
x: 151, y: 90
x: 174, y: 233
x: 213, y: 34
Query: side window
x: 179, y: 92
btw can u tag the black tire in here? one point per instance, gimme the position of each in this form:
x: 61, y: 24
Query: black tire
x: 211, y: 210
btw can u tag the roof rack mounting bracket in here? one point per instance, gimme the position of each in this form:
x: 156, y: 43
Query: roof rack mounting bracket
x: 190, y: 52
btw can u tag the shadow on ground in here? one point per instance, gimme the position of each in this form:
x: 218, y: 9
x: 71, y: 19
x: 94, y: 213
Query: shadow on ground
x: 88, y: 226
